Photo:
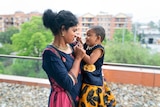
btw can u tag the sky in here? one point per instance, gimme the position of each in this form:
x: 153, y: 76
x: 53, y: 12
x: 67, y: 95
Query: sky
x: 140, y: 10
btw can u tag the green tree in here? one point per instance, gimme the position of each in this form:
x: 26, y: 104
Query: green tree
x: 1, y: 68
x: 6, y: 49
x: 5, y: 37
x: 128, y: 52
x: 23, y: 67
x: 123, y: 35
x: 32, y: 38
x: 30, y: 41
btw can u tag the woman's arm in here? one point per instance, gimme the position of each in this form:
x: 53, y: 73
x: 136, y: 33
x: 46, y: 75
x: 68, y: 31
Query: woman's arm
x: 55, y: 68
x: 79, y: 54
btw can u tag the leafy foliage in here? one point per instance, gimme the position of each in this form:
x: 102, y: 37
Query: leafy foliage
x: 27, y: 67
x: 1, y: 68
x: 5, y: 37
x: 130, y: 54
x: 32, y: 38
x: 123, y: 35
x: 29, y: 41
x: 6, y: 49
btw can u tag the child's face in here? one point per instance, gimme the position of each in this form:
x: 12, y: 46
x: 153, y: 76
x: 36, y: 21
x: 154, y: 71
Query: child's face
x: 91, y: 38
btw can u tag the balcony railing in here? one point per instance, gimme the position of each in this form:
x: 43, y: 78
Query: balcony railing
x: 114, y: 72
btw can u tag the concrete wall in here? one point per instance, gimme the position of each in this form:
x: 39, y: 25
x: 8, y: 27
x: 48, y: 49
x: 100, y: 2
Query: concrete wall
x: 132, y: 75
x: 117, y: 74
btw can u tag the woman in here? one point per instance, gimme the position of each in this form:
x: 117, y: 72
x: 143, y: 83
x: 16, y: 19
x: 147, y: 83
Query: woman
x: 61, y: 61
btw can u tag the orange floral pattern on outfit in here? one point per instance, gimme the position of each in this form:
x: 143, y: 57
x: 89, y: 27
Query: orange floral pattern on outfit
x: 89, y: 68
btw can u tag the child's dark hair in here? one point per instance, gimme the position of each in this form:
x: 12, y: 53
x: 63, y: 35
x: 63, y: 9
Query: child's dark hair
x: 54, y: 21
x: 99, y: 30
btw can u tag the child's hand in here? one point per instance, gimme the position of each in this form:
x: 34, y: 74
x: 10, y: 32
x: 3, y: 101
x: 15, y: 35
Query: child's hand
x: 78, y: 39
x: 80, y: 45
x: 79, y: 51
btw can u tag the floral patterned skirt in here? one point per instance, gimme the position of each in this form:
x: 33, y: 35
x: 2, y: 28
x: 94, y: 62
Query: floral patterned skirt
x: 91, y: 96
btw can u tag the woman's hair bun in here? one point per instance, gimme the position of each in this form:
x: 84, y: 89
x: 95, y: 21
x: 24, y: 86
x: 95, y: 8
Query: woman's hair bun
x: 48, y: 18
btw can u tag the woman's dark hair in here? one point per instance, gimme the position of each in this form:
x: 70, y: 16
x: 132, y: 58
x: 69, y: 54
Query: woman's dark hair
x: 54, y: 21
x: 99, y: 30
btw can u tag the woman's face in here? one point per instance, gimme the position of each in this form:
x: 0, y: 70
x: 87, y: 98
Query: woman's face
x: 70, y: 34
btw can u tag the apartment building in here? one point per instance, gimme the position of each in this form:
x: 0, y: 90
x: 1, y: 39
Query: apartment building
x: 15, y: 19
x: 104, y: 19
x: 85, y: 21
x: 121, y: 21
x: 108, y: 21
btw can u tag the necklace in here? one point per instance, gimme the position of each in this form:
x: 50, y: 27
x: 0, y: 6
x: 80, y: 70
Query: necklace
x: 61, y: 48
x: 89, y: 48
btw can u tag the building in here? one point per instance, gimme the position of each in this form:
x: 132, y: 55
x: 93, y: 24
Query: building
x: 149, y: 35
x: 108, y: 21
x: 121, y: 21
x: 149, y: 38
x: 85, y: 21
x: 104, y: 19
x: 15, y: 19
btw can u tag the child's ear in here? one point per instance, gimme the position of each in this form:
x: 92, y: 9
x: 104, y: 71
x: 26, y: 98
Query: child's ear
x: 99, y: 38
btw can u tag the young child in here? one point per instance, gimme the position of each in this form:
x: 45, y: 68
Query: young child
x: 91, y: 66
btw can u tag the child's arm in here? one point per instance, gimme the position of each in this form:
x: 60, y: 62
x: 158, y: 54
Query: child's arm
x: 97, y: 53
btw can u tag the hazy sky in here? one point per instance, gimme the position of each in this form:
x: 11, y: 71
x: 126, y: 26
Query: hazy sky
x: 141, y: 10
